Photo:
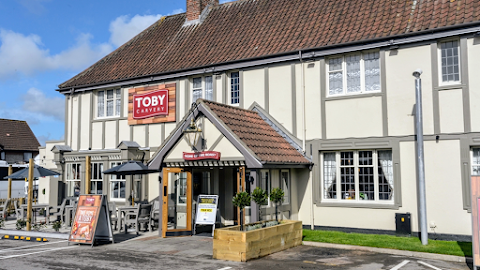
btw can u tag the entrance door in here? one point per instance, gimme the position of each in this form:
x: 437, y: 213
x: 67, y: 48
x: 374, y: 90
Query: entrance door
x: 177, y: 202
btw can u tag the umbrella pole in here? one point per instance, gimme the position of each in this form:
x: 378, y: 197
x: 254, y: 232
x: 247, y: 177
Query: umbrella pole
x: 131, y: 194
x: 30, y: 194
x: 10, y: 171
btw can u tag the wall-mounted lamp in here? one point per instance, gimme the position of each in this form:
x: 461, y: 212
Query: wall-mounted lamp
x: 193, y: 132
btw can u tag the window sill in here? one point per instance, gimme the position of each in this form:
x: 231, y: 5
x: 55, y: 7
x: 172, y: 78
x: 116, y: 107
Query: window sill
x: 358, y: 205
x: 449, y: 86
x: 349, y: 96
x: 103, y: 119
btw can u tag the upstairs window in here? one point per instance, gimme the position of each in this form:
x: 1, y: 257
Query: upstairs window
x: 109, y: 103
x: 450, y: 62
x: 354, y: 74
x: 202, y: 88
x: 234, y: 88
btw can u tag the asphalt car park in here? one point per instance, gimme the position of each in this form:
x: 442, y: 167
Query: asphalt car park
x: 154, y: 252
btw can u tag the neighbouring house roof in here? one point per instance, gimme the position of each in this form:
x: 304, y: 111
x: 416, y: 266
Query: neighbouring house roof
x: 16, y: 135
x: 256, y: 29
x: 247, y: 130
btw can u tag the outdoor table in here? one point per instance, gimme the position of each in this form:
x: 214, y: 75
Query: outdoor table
x: 34, y: 207
x: 123, y: 210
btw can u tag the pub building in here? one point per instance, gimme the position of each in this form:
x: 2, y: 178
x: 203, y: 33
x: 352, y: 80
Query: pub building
x: 314, y: 97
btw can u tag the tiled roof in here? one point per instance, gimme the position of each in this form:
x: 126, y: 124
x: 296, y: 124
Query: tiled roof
x: 17, y: 135
x: 247, y: 29
x: 256, y: 134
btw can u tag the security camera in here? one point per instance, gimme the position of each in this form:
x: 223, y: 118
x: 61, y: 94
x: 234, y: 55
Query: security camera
x: 417, y: 73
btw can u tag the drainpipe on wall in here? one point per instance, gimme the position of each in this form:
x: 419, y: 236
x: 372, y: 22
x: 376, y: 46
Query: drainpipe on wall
x: 304, y: 128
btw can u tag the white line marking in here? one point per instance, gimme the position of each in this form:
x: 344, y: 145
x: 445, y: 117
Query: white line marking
x: 225, y: 268
x: 20, y: 255
x: 29, y: 246
x: 400, y: 265
x: 428, y: 265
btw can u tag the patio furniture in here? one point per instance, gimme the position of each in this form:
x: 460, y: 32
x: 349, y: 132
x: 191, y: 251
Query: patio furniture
x: 24, y: 207
x: 4, y: 209
x: 58, y: 212
x: 113, y: 214
x: 131, y: 217
x: 155, y: 214
x: 145, y: 216
x: 20, y: 215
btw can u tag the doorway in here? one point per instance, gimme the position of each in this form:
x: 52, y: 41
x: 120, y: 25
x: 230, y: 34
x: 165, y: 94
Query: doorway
x: 177, y: 202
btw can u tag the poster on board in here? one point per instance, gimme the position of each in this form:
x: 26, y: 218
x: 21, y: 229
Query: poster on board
x: 206, y: 209
x: 91, y: 221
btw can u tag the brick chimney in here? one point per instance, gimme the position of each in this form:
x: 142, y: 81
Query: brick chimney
x: 195, y: 8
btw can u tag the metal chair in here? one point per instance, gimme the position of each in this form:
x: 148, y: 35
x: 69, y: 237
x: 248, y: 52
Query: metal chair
x: 131, y: 217
x: 113, y: 214
x: 58, y: 211
x: 18, y: 211
x: 4, y: 209
x: 155, y: 214
x: 145, y: 216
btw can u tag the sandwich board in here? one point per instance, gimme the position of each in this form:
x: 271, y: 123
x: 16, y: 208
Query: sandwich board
x: 206, y: 211
x: 91, y: 223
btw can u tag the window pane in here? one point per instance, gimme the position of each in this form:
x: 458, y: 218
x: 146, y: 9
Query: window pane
x: 197, y: 82
x: 353, y: 73
x: 329, y: 176
x: 197, y: 93
x: 101, y: 104
x: 285, y: 186
x: 347, y: 175
x: 234, y: 88
x: 385, y: 175
x: 335, y: 83
x: 450, y: 61
x: 109, y: 107
x: 335, y: 64
x: 109, y: 94
x: 476, y: 161
x: 118, y: 102
x: 208, y: 88
x: 372, y: 71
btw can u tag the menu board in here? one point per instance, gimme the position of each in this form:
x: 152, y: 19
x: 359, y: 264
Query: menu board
x: 90, y: 218
x: 206, y: 209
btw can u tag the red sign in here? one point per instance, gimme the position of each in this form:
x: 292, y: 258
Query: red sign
x: 86, y: 218
x: 150, y: 104
x: 202, y: 155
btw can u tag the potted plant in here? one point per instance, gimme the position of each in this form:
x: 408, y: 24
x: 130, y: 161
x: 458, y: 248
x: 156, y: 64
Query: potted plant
x: 21, y: 223
x: 276, y: 196
x: 260, y: 197
x: 241, y: 200
x: 57, y: 225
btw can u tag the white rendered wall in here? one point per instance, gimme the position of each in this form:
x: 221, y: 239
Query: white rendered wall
x: 400, y: 65
x: 473, y: 45
x: 451, y: 110
x: 139, y: 134
x: 254, y: 87
x: 85, y: 121
x: 97, y: 135
x: 110, y: 134
x: 280, y: 95
x: 312, y: 101
x: 155, y: 135
x: 123, y: 131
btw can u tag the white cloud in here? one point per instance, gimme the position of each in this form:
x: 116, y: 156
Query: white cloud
x: 124, y: 28
x: 35, y: 101
x: 177, y: 11
x: 26, y: 55
x: 34, y: 6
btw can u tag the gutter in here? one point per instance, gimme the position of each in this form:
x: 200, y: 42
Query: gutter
x: 426, y: 35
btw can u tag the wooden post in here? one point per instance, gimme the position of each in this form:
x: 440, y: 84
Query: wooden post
x: 10, y: 171
x: 88, y: 174
x: 240, y: 188
x: 30, y: 194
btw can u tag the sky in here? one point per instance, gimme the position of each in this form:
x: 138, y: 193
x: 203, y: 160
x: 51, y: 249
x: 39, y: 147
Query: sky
x: 43, y: 43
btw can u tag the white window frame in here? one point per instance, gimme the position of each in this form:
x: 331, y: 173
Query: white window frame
x: 343, y: 198
x: 203, y: 87
x: 230, y: 89
x: 344, y: 74
x: 440, y: 64
x: 73, y: 176
x: 475, y: 158
x: 265, y: 183
x: 99, y: 174
x: 117, y: 98
x: 114, y: 179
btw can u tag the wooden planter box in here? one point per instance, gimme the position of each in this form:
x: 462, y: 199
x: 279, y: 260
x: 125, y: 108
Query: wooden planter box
x: 231, y: 244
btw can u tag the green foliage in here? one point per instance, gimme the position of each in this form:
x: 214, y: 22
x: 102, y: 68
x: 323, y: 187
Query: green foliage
x: 21, y: 223
x: 241, y: 199
x: 259, y: 196
x: 57, y: 225
x: 39, y: 226
x: 455, y: 248
x: 276, y: 195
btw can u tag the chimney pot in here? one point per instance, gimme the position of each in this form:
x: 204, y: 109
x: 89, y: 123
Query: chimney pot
x: 195, y: 8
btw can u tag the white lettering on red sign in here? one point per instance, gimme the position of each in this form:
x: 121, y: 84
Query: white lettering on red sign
x: 150, y: 104
x: 202, y: 155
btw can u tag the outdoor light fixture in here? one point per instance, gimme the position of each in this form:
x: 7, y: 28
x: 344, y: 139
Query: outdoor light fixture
x: 193, y: 132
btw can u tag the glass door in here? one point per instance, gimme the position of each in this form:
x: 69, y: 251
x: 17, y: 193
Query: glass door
x: 177, y: 202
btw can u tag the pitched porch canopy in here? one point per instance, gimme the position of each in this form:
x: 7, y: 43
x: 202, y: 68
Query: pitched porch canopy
x: 239, y: 137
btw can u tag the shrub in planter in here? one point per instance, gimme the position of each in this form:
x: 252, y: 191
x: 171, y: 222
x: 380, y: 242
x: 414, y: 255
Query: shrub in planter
x: 57, y: 225
x: 39, y: 226
x: 276, y: 196
x: 241, y: 200
x: 21, y: 223
x: 260, y: 197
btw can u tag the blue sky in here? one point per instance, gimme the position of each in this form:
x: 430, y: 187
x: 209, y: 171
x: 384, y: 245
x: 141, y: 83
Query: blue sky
x: 46, y: 42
